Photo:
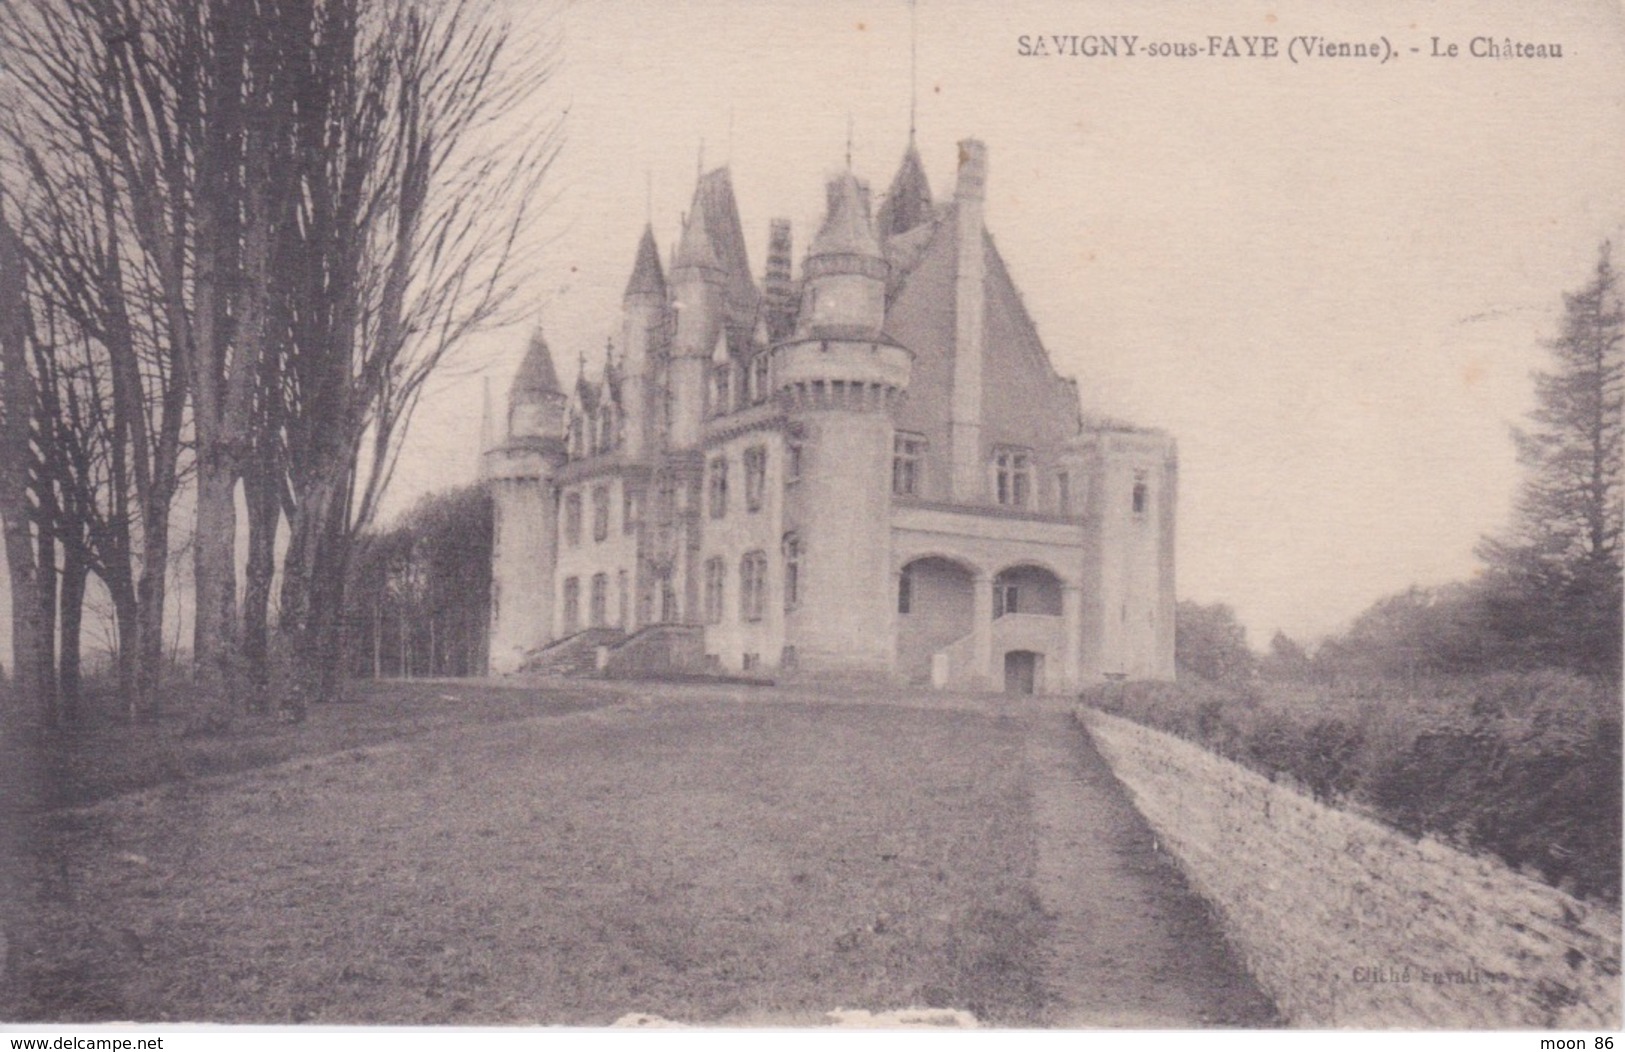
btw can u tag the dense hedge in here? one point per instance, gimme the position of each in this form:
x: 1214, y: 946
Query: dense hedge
x: 1525, y: 766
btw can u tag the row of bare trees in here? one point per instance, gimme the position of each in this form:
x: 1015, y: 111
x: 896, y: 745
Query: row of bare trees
x: 236, y: 239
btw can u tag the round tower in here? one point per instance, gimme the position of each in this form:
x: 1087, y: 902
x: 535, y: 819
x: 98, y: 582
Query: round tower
x: 697, y: 281
x: 838, y: 380
x: 643, y: 310
x: 519, y: 471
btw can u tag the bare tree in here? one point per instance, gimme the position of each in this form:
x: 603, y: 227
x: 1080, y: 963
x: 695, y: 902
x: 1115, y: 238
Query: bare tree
x: 268, y: 224
x: 434, y: 188
x: 94, y: 270
x: 31, y: 612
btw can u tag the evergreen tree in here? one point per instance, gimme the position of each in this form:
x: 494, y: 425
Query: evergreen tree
x: 1555, y: 581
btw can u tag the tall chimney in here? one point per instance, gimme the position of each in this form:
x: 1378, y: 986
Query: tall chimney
x: 777, y: 287
x: 965, y: 413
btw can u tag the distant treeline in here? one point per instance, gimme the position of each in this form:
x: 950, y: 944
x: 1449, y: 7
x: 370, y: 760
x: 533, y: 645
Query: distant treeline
x: 419, y: 594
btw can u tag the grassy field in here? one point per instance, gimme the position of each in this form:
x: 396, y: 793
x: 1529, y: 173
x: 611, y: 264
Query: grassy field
x: 446, y: 854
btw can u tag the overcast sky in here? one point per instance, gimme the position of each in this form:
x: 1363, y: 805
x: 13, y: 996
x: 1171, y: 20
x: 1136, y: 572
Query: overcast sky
x: 1328, y: 279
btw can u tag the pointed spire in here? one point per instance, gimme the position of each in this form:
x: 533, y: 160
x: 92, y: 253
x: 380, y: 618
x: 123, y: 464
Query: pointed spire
x: 908, y: 200
x: 536, y: 379
x: 647, y: 277
x: 913, y: 70
x: 694, y: 248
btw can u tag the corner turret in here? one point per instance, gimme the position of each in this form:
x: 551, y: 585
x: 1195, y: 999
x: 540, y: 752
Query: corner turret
x: 643, y: 329
x: 519, y: 472
x: 536, y: 402
x: 698, y: 283
x: 845, y: 294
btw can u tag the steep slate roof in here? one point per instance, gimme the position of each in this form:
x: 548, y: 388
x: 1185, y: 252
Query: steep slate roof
x: 536, y: 377
x: 714, y: 199
x: 647, y: 277
x: 1023, y: 399
x: 908, y: 200
x: 694, y: 247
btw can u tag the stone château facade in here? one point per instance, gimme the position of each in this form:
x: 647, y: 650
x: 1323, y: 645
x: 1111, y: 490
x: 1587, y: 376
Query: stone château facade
x: 870, y: 467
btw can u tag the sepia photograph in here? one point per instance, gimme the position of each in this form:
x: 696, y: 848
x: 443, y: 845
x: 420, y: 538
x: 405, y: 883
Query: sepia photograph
x: 868, y: 515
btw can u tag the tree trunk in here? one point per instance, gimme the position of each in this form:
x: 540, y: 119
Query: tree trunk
x: 214, y: 637
x: 151, y: 592
x: 264, y: 511
x: 127, y: 616
x: 16, y: 455
x: 69, y: 675
x: 49, y: 709
x: 309, y: 583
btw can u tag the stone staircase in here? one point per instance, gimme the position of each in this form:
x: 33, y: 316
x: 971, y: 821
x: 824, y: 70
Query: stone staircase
x: 575, y: 655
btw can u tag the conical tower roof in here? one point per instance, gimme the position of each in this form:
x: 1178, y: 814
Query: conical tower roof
x: 846, y: 230
x: 908, y: 201
x: 694, y: 248
x: 721, y: 215
x: 647, y: 277
x: 536, y: 379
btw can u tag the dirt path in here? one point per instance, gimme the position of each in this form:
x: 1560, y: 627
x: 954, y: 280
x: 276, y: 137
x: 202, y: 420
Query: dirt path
x: 1132, y: 946
x: 755, y: 861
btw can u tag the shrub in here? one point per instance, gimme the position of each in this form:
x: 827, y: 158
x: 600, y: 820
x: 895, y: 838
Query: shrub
x: 1525, y: 766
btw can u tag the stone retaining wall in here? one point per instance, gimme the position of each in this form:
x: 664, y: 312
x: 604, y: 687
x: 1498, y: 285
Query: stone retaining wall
x: 1350, y: 924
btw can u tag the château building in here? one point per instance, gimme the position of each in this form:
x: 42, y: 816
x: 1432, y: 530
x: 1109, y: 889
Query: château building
x: 865, y: 466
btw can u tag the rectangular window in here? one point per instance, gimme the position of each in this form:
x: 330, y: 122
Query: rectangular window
x: 598, y: 611
x: 1063, y: 493
x: 792, y: 571
x: 1006, y: 600
x: 792, y: 462
x: 572, y: 606
x: 908, y: 453
x: 631, y: 510
x: 721, y: 388
x: 1012, y: 477
x: 752, y: 585
x: 572, y: 518
x: 759, y: 377
x: 1142, y: 496
x: 755, y: 477
x: 715, y: 572
x: 719, y: 487
x: 623, y: 588
x: 646, y: 603
x: 600, y: 513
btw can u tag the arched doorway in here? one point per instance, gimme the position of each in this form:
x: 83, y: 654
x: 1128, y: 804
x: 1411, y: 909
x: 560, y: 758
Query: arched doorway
x: 936, y: 598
